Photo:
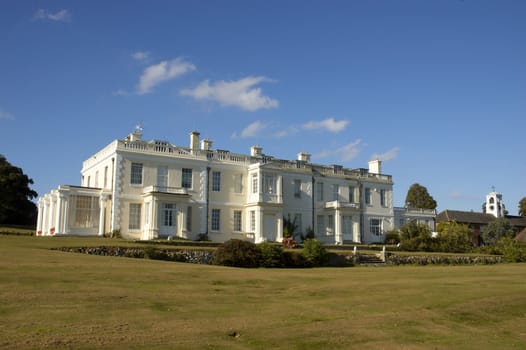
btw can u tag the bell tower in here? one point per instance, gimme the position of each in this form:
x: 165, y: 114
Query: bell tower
x: 494, y: 204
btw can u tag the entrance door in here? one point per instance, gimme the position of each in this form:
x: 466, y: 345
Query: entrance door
x: 270, y: 227
x: 168, y: 225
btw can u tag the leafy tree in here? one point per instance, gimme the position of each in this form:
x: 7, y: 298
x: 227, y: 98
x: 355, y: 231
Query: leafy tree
x: 496, y: 230
x: 453, y: 237
x: 522, y: 207
x: 16, y: 206
x: 418, y: 197
x: 238, y: 253
x: 416, y: 236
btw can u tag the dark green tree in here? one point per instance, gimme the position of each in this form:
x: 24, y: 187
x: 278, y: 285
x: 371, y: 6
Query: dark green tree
x: 522, y: 207
x: 496, y: 230
x: 453, y: 237
x: 16, y: 206
x: 419, y: 198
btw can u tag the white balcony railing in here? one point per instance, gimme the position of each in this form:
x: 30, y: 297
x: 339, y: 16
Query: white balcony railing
x: 164, y: 189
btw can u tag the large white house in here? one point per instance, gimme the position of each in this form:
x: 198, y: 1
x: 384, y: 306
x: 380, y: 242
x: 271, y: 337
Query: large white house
x: 153, y: 189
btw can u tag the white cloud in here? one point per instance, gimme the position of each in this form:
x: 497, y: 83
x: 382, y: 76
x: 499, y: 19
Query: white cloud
x: 60, y: 16
x: 391, y: 154
x: 330, y: 124
x: 121, y: 92
x: 253, y: 129
x: 141, y: 56
x: 161, y: 72
x: 240, y: 93
x: 344, y: 153
x: 6, y: 115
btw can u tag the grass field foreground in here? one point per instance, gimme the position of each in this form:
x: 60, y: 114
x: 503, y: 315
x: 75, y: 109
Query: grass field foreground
x: 53, y: 299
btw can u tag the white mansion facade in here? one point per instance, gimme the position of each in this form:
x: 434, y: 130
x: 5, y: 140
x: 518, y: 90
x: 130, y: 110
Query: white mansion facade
x: 148, y: 190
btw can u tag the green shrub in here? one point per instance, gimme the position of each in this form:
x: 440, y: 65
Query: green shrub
x: 314, y: 253
x: 271, y: 255
x: 511, y: 250
x: 238, y: 253
x: 293, y: 259
x: 392, y: 237
x: 157, y: 254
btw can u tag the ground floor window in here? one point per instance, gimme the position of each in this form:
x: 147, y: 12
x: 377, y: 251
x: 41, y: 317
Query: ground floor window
x: 375, y: 227
x: 216, y: 215
x: 237, y: 220
x: 168, y: 214
x: 86, y: 211
x: 252, y: 221
x: 135, y: 216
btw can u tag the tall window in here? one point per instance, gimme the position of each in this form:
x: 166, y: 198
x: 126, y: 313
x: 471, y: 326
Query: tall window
x: 330, y: 225
x: 347, y: 225
x: 382, y: 198
x: 375, y: 227
x: 252, y: 220
x: 335, y: 192
x: 368, y: 200
x: 269, y: 184
x: 168, y: 214
x: 136, y: 174
x: 319, y: 191
x: 135, y: 216
x: 297, y: 188
x: 321, y: 224
x: 254, y: 183
x: 299, y: 224
x: 86, y: 211
x: 238, y: 183
x: 97, y: 179
x: 189, y: 218
x: 216, y: 181
x: 237, y: 220
x: 186, y: 180
x: 106, y: 177
x: 351, y: 194
x: 162, y: 178
x: 216, y: 216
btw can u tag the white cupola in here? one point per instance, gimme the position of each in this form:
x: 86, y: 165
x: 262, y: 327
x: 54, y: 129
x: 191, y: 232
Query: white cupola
x: 494, y: 204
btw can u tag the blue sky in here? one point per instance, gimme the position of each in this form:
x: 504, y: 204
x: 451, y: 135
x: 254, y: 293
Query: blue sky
x: 437, y: 89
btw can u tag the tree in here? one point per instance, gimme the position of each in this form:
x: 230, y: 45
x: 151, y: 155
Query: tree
x: 522, y: 207
x: 418, y: 197
x: 16, y: 206
x: 416, y: 236
x: 453, y: 237
x: 496, y: 230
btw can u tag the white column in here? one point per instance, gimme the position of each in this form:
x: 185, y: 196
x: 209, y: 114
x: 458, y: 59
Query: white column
x: 279, y: 235
x: 155, y: 220
x: 39, y: 216
x: 102, y: 201
x: 58, y: 213
x: 65, y: 222
x: 50, y: 214
x: 338, y: 227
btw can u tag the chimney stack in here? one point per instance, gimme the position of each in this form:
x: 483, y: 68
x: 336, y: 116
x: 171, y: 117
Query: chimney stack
x: 256, y: 151
x: 206, y: 145
x: 194, y: 141
x: 304, y: 157
x: 375, y: 166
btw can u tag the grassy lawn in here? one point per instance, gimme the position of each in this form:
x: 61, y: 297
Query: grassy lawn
x: 53, y: 299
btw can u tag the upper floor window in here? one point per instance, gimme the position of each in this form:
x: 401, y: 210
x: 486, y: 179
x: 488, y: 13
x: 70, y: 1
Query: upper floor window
x: 216, y: 181
x: 297, y: 188
x: 136, y: 174
x: 319, y: 191
x: 368, y: 199
x: 382, y: 198
x: 186, y: 180
x: 97, y: 179
x: 105, y: 177
x: 351, y: 194
x: 238, y: 183
x: 269, y: 184
x: 254, y: 183
x: 335, y: 192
